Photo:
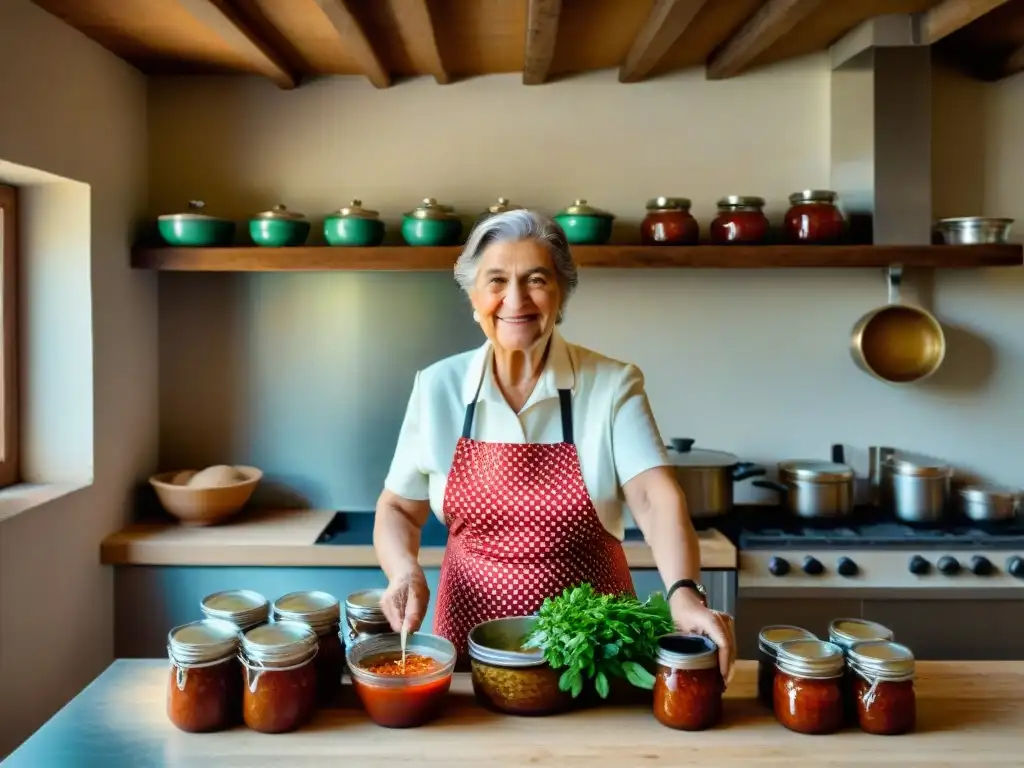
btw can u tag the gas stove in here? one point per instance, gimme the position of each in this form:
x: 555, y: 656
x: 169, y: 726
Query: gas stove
x: 779, y: 552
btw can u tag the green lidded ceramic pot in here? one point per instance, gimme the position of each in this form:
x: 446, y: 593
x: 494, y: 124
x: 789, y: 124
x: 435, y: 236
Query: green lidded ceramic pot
x: 278, y: 228
x: 195, y: 229
x: 502, y: 206
x: 354, y: 226
x: 584, y: 224
x: 431, y: 224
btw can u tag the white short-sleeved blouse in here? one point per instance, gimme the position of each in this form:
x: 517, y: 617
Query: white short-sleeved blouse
x: 614, y: 430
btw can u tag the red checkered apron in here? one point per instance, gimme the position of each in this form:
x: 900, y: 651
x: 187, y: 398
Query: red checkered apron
x: 521, y: 527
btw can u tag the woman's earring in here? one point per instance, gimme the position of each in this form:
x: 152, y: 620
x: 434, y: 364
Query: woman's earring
x: 476, y: 316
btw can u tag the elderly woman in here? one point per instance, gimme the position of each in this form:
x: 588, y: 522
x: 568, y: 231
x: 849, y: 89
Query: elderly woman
x: 525, y: 448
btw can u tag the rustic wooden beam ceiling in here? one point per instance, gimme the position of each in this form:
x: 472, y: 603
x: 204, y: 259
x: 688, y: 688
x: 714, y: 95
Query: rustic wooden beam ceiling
x: 416, y: 28
x: 541, y: 36
x: 950, y: 15
x: 761, y: 32
x: 665, y: 24
x: 354, y: 39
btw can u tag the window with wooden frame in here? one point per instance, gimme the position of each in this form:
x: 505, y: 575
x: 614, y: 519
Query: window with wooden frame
x: 9, y: 448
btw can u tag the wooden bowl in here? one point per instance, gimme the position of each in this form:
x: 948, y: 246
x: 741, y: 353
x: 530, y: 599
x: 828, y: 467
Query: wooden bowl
x: 205, y: 506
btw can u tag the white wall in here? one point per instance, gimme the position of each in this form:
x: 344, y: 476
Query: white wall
x: 70, y: 108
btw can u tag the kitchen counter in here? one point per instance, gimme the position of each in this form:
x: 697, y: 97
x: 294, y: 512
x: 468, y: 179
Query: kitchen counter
x: 300, y: 538
x: 969, y: 713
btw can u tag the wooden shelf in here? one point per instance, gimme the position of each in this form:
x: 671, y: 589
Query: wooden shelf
x: 404, y: 258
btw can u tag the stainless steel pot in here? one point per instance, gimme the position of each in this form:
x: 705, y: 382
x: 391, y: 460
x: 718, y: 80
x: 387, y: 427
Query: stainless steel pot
x: 813, y: 489
x: 987, y: 504
x: 916, y: 487
x: 707, y: 477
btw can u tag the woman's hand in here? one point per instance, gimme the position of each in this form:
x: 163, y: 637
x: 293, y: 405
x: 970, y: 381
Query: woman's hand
x: 405, y: 600
x: 693, y: 618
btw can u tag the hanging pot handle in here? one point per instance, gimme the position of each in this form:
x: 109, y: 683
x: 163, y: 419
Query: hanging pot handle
x: 745, y: 469
x: 771, y: 485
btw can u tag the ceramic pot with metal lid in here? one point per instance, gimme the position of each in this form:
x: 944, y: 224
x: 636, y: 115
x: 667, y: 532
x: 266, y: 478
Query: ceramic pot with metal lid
x: 813, y: 218
x: 501, y: 206
x: 195, y: 229
x: 707, y: 477
x: 916, y: 487
x: 815, y: 489
x: 584, y: 224
x: 242, y: 607
x: 669, y: 222
x: 431, y: 224
x: 354, y: 226
x: 740, y: 221
x: 279, y: 228
x: 989, y: 504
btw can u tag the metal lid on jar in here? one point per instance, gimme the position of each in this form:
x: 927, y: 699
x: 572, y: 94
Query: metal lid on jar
x: 279, y: 643
x: 816, y: 659
x: 582, y: 208
x: 682, y: 454
x: 741, y: 201
x: 813, y: 196
x: 846, y: 632
x: 354, y: 210
x: 771, y: 637
x: 195, y: 213
x: 687, y: 652
x: 882, y: 660
x: 499, y: 643
x: 365, y: 605
x: 669, y: 204
x: 816, y: 471
x: 242, y: 607
x: 318, y: 609
x: 281, y: 213
x: 503, y: 206
x: 431, y: 209
x: 917, y: 465
x: 202, y: 641
x: 989, y: 493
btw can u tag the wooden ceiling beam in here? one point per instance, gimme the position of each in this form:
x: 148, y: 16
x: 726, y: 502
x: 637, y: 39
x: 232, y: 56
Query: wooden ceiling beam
x: 762, y: 30
x: 541, y: 36
x: 357, y: 44
x: 950, y: 15
x: 416, y: 28
x: 665, y: 24
x: 222, y: 19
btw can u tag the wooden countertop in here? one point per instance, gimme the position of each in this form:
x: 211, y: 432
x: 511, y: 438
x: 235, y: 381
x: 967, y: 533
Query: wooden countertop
x: 969, y: 713
x: 288, y: 538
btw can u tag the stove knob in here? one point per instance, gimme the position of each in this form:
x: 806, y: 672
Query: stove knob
x: 949, y: 566
x: 919, y: 566
x: 981, y: 566
x: 1015, y: 566
x: 847, y: 567
x: 778, y: 566
x: 813, y: 567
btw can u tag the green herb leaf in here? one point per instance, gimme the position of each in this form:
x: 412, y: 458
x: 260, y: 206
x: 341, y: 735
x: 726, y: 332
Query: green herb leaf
x: 637, y: 675
x: 601, y: 685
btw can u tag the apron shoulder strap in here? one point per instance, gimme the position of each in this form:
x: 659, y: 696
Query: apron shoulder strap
x: 565, y: 406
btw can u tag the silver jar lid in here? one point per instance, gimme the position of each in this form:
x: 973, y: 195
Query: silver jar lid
x: 882, y: 660
x: 816, y: 471
x: 689, y: 652
x: 279, y: 644
x: 499, y: 642
x: 319, y: 610
x: 201, y: 642
x: 846, y: 632
x: 280, y: 213
x: 730, y: 202
x: 813, y: 196
x: 669, y: 204
x: 917, y: 465
x: 242, y: 607
x: 770, y: 637
x: 815, y: 659
x: 365, y: 605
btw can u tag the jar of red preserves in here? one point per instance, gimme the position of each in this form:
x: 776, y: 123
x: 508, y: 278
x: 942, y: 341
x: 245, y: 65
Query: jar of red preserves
x: 844, y: 633
x: 883, y: 687
x: 363, y: 616
x: 322, y: 613
x: 280, y: 691
x: 204, y: 690
x: 740, y: 221
x: 808, y: 686
x: 813, y: 218
x: 768, y: 642
x: 688, y: 683
x: 668, y: 222
x: 242, y: 607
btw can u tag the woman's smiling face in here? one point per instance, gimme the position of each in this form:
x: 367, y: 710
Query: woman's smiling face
x: 516, y: 294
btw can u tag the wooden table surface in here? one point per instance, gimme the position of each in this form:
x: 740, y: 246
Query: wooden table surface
x: 969, y: 714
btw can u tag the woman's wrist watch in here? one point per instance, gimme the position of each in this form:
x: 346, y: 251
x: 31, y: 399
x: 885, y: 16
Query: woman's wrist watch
x: 688, y: 584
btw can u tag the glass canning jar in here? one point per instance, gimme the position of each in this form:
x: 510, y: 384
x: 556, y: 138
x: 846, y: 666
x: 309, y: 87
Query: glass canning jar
x: 322, y: 613
x: 242, y: 607
x: 669, y: 222
x: 204, y: 689
x: 813, y: 218
x: 740, y: 221
x: 844, y: 633
x: 280, y: 678
x: 767, y: 650
x: 808, y: 686
x: 883, y: 685
x: 688, y: 683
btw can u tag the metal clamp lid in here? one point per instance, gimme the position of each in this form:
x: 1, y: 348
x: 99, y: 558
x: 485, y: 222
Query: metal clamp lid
x: 816, y: 659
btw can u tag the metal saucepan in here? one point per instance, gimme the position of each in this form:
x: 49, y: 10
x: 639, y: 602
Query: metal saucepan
x: 989, y: 504
x: 707, y: 477
x: 813, y: 489
x: 898, y: 343
x: 915, y: 487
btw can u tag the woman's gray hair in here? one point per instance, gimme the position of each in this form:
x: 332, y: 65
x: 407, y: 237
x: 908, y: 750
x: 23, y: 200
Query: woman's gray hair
x: 510, y: 227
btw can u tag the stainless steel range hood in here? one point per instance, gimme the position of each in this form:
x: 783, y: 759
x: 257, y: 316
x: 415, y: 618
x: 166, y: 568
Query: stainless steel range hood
x: 881, y: 133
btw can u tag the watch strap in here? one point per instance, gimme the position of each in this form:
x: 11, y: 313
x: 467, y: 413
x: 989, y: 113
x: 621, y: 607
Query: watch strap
x: 688, y: 584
